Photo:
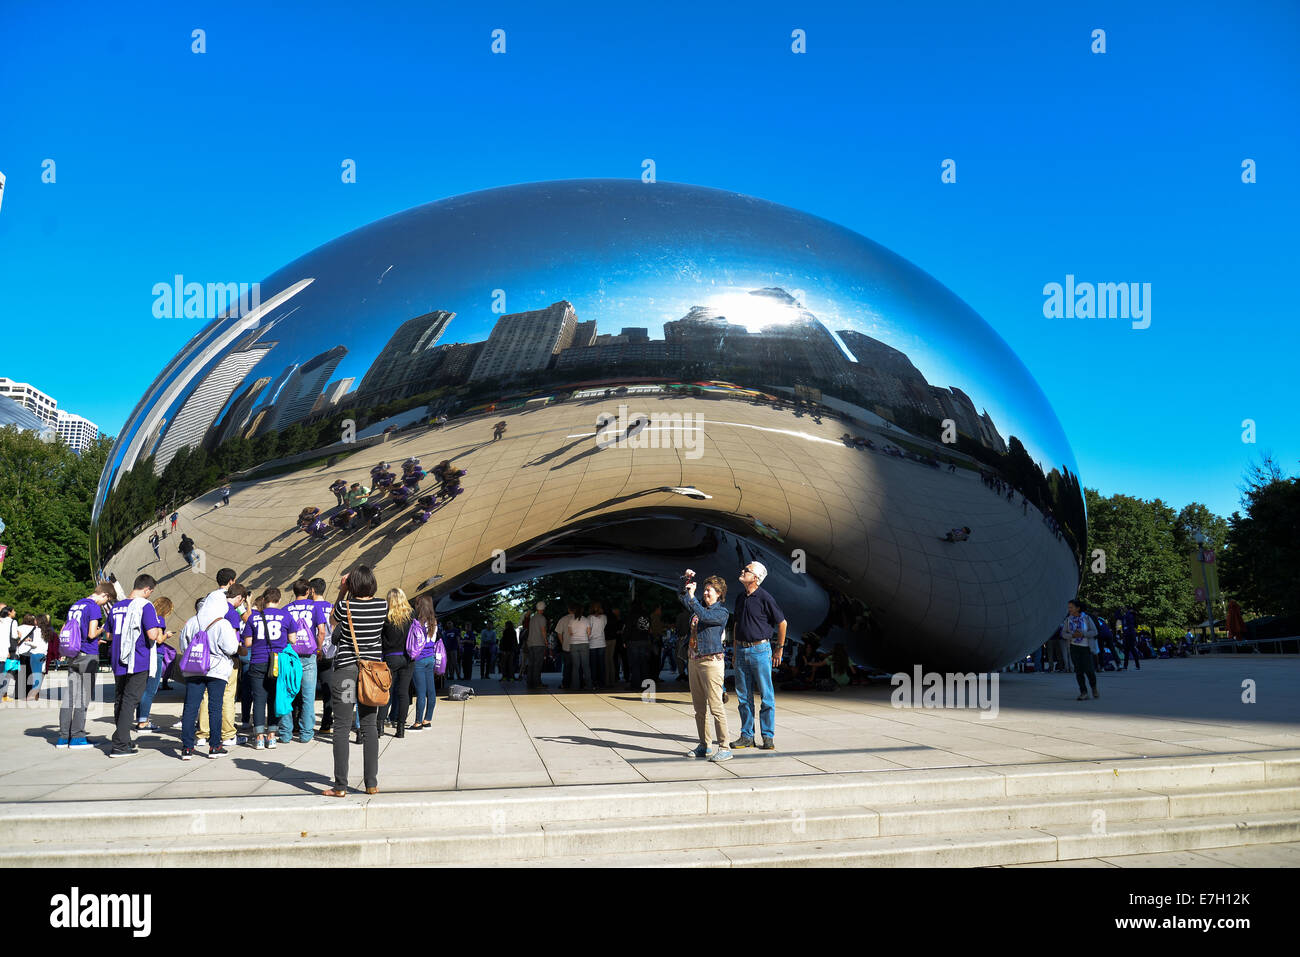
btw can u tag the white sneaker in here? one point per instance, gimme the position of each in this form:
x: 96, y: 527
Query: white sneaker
x: 234, y: 740
x: 270, y: 742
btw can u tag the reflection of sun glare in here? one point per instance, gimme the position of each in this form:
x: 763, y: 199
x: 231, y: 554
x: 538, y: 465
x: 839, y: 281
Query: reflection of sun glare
x: 752, y: 312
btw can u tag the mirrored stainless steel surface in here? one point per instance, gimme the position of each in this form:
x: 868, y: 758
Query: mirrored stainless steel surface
x: 634, y: 377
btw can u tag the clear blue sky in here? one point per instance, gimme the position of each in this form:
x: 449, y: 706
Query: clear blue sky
x: 1124, y: 166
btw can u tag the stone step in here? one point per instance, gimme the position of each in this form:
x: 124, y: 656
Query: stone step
x: 1098, y: 813
x: 976, y: 849
x: 946, y: 788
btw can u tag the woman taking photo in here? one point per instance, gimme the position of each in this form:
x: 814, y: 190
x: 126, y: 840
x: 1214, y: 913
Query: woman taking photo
x: 393, y: 640
x: 360, y: 617
x: 706, y: 662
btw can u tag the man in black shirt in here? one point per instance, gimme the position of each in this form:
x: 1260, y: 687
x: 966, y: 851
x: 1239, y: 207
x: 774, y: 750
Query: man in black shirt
x: 757, y: 615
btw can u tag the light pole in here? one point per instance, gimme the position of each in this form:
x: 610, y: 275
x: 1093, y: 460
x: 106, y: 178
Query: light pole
x: 1200, y: 538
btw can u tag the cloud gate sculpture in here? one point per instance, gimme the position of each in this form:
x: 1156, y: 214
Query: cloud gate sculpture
x: 631, y: 377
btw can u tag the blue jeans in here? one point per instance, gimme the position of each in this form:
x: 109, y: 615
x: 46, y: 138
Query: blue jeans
x: 307, y: 697
x: 150, y: 689
x: 425, y: 696
x: 579, y: 665
x: 38, y: 671
x: 264, y: 716
x: 754, y: 674
x: 194, y: 688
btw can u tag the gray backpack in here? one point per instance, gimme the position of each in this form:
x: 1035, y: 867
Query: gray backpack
x: 459, y: 693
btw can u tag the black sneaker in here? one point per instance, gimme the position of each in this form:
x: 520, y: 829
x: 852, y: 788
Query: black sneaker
x: 217, y: 752
x: 124, y: 754
x: 744, y: 741
x: 187, y: 753
x: 767, y: 745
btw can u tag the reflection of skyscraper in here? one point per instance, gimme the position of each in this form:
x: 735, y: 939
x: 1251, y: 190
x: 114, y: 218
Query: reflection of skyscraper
x: 458, y: 362
x: 526, y: 341
x: 241, y: 411
x: 201, y: 408
x: 887, y: 376
x: 335, y: 391
x: 304, y: 385
x: 584, y: 334
x: 406, y: 364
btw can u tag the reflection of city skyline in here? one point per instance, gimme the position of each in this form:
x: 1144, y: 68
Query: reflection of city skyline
x: 785, y: 342
x: 793, y: 345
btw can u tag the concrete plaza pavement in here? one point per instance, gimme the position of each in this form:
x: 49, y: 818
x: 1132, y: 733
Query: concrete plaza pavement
x: 511, y: 738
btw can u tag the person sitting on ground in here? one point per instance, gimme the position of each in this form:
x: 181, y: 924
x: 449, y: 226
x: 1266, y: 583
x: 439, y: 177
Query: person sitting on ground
x: 343, y: 519
x: 957, y: 535
x: 307, y: 516
x: 384, y: 480
x: 402, y: 494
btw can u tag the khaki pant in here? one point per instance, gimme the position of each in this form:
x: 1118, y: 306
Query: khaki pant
x: 227, y: 709
x: 706, y: 694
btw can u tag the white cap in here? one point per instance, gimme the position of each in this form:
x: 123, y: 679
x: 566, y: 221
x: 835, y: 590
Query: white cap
x: 759, y: 570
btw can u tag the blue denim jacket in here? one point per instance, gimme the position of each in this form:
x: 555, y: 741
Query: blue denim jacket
x: 712, y: 624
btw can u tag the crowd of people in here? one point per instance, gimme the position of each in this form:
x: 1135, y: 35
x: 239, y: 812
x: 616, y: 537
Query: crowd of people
x: 366, y: 505
x: 260, y: 663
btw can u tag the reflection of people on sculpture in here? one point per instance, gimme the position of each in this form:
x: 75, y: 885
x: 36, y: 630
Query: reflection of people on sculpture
x: 371, y: 512
x: 957, y: 535
x: 358, y: 495
x: 340, y: 489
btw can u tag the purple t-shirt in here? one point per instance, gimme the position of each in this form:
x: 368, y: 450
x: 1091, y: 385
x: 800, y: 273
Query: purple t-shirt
x: 117, y: 623
x: 309, y: 614
x: 270, y: 631
x: 84, y: 612
x: 232, y: 616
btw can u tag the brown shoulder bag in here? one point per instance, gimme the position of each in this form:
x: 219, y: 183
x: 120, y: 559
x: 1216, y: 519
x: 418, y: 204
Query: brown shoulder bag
x: 374, y: 680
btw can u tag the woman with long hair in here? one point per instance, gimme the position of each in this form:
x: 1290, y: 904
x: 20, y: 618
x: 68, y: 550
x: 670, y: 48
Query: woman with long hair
x: 266, y: 633
x: 396, y: 627
x: 424, y: 668
x: 579, y: 653
x: 360, y: 616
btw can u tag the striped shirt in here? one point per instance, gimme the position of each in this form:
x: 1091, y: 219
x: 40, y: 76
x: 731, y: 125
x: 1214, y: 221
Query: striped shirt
x: 368, y: 616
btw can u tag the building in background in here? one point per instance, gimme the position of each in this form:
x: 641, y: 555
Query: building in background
x: 76, y: 431
x: 79, y: 432
x: 32, y: 399
x: 19, y: 416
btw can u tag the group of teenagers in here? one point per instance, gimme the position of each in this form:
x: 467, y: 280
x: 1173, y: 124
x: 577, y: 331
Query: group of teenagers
x: 276, y: 653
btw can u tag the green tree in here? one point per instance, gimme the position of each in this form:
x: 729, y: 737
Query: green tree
x: 1261, y: 560
x: 46, y: 493
x: 1144, y: 569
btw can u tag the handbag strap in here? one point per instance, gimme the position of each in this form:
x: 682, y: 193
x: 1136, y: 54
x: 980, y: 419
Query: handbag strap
x: 352, y: 631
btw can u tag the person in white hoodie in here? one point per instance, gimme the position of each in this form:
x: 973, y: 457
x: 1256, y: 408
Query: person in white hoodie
x: 136, y: 630
x: 223, y: 644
